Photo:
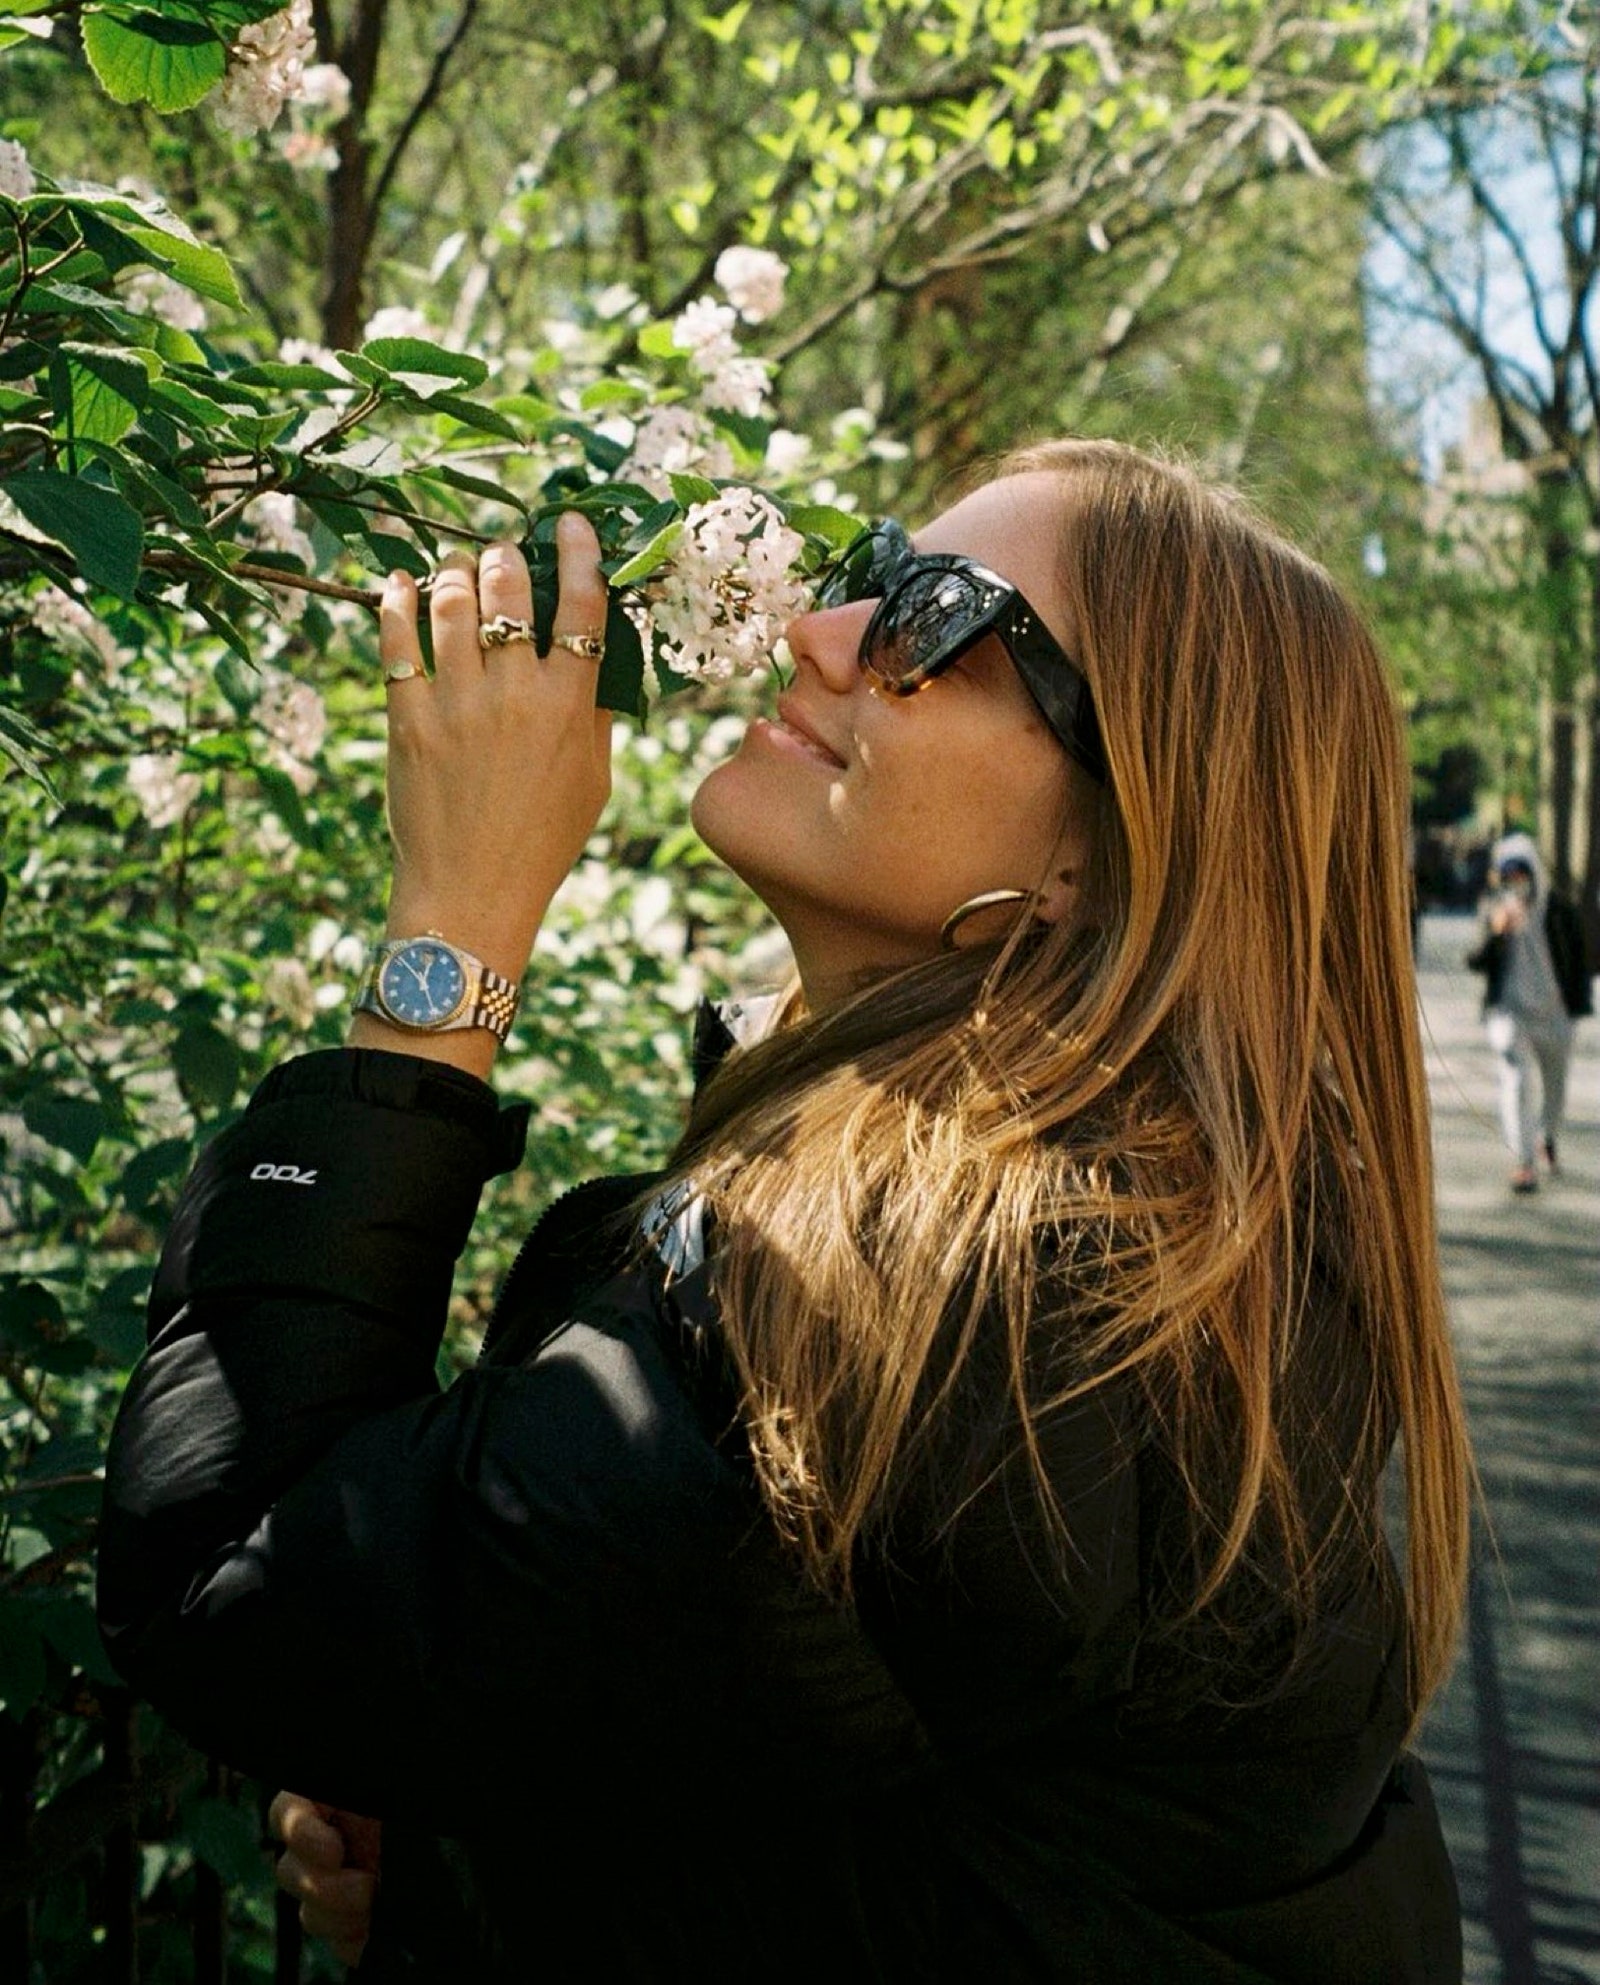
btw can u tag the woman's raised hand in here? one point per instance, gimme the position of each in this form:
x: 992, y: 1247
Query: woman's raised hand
x: 500, y: 764
x: 329, y: 1864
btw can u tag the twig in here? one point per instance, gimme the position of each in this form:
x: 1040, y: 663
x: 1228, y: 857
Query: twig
x: 24, y: 277
x: 267, y: 575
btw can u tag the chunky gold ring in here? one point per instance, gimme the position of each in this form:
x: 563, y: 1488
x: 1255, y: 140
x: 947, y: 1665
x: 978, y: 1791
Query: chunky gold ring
x: 591, y: 646
x: 503, y: 630
x: 400, y: 671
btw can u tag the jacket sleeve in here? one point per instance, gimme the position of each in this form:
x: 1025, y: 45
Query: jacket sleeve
x: 419, y: 1603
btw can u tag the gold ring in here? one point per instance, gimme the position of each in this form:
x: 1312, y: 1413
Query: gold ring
x: 400, y: 671
x: 591, y: 646
x: 503, y: 630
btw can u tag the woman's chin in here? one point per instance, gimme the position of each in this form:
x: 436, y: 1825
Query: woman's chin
x: 722, y: 812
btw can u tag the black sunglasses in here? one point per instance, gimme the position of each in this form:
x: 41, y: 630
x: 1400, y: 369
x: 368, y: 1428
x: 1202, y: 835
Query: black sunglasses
x: 934, y: 606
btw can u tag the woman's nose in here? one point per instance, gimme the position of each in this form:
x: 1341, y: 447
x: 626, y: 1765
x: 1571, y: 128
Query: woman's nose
x: 828, y: 642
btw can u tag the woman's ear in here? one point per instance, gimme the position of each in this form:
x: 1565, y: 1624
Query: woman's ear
x: 1060, y: 896
x: 1057, y: 901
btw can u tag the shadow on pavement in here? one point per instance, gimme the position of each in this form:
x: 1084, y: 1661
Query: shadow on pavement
x: 1513, y: 1743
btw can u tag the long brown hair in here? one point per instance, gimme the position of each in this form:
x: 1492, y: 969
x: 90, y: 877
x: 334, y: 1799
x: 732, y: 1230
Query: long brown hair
x: 1207, y: 1086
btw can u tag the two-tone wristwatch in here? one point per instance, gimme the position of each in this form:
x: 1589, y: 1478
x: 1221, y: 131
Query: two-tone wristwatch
x: 428, y: 986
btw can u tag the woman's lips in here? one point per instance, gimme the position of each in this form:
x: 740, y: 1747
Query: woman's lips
x: 787, y: 728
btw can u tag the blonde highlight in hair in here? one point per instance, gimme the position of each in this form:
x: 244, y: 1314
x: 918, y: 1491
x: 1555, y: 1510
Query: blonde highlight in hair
x: 1137, y: 1139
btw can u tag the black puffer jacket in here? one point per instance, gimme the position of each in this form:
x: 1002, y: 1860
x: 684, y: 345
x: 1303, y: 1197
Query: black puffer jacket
x: 539, y: 1623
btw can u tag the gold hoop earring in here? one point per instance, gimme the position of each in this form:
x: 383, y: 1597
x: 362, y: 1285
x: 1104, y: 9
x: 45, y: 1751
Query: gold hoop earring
x: 990, y: 899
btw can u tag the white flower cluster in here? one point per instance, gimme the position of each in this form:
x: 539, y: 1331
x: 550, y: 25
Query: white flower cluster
x: 294, y: 716
x: 271, y: 517
x: 730, y: 589
x: 286, y: 986
x: 16, y: 175
x: 153, y: 293
x: 267, y: 69
x: 164, y: 793
x: 302, y: 351
x: 397, y: 320
x: 727, y: 378
x: 676, y: 438
x: 752, y: 280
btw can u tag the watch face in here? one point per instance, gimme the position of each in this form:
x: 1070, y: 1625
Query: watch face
x: 422, y: 984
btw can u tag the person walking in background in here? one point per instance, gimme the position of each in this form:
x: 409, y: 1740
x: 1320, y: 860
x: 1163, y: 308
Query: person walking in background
x: 1533, y: 958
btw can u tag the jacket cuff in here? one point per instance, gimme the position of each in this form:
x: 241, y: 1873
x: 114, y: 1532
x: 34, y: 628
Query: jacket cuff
x: 405, y: 1082
x: 354, y: 1175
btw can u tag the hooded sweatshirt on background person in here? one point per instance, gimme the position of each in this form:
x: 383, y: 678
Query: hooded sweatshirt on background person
x: 1537, y: 981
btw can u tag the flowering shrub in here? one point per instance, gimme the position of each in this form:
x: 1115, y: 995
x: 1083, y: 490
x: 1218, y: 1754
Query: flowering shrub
x: 192, y: 524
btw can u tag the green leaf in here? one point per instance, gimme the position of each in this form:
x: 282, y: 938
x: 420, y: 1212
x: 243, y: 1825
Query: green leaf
x: 621, y: 684
x: 224, y: 628
x: 420, y: 355
x: 28, y: 1311
x: 612, y: 393
x: 654, y: 555
x: 656, y: 341
x: 751, y: 433
x: 600, y: 449
x: 101, y: 531
x: 283, y: 797
x: 207, y: 1065
x: 194, y: 264
x: 724, y: 27
x: 823, y: 520
x: 225, y: 1840
x: 69, y: 1123
x: 148, y: 1170
x: 361, y: 368
x: 295, y: 378
x: 257, y: 432
x: 103, y: 389
x: 690, y: 490
x: 18, y: 742
x: 390, y: 553
x: 67, y: 1620
x: 151, y: 58
x: 149, y: 488
x: 241, y: 685
x: 493, y: 492
x: 472, y: 413
x: 22, y: 1673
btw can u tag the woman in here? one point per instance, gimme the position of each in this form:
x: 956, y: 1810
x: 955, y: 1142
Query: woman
x: 933, y: 1530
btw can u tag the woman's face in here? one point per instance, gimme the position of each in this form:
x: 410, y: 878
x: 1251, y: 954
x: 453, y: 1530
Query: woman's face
x: 864, y: 819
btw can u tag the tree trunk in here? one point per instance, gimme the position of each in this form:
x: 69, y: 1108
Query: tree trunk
x: 350, y: 208
x: 1565, y: 616
x: 1590, y: 904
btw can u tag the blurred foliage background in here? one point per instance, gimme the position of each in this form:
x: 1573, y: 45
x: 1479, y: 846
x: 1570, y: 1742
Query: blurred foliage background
x: 1346, y: 256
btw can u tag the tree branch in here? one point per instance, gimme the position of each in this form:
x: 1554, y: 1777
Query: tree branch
x: 428, y: 97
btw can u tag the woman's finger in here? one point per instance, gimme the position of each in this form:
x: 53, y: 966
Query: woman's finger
x: 505, y: 593
x: 310, y: 1837
x: 337, y: 1907
x: 453, y: 609
x: 580, y: 621
x: 399, y: 645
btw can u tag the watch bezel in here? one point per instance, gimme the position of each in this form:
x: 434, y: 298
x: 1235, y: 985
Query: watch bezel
x: 391, y: 955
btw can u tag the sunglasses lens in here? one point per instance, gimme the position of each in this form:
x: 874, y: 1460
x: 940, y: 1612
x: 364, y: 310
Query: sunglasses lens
x: 927, y: 620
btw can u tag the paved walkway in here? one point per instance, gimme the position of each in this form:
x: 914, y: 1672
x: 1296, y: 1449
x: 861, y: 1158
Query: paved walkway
x: 1514, y: 1742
